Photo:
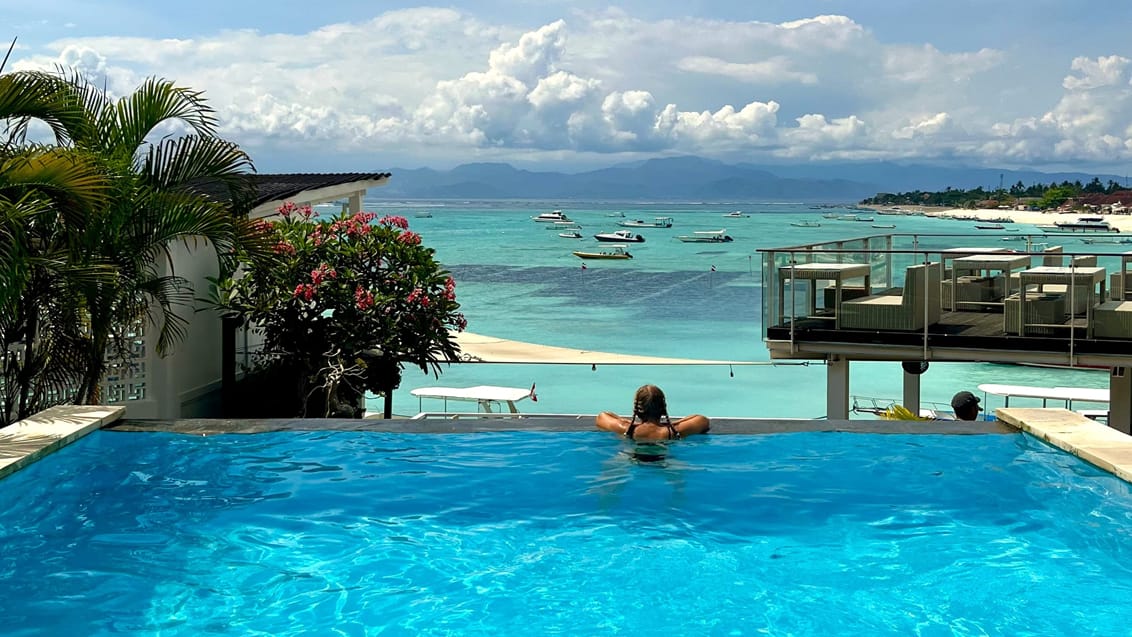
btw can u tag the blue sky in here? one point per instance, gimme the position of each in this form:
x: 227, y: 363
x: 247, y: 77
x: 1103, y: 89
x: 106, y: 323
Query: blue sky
x: 353, y: 85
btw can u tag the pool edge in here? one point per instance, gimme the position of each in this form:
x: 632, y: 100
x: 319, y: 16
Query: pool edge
x: 1097, y: 444
x: 31, y: 439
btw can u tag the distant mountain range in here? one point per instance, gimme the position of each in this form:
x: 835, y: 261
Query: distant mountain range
x: 699, y: 179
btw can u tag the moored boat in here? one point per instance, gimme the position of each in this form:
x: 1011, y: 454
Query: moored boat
x: 706, y: 236
x: 570, y: 234
x: 657, y: 222
x: 1082, y: 224
x: 806, y: 224
x: 738, y: 214
x: 621, y: 236
x: 609, y: 252
x: 990, y: 226
x: 551, y: 217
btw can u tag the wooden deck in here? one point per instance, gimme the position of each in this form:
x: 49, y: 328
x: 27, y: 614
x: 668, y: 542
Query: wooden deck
x: 959, y: 330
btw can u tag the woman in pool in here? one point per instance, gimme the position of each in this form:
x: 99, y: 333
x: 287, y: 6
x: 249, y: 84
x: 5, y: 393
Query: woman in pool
x: 650, y: 419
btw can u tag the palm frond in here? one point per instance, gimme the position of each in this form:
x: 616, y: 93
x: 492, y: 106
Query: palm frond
x: 34, y: 95
x: 136, y: 116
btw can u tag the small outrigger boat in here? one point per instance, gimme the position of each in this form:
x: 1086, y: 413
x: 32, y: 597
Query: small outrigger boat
x: 658, y: 222
x: 738, y: 214
x: 621, y: 236
x: 990, y: 226
x: 570, y: 234
x: 806, y: 224
x: 610, y: 252
x: 706, y: 236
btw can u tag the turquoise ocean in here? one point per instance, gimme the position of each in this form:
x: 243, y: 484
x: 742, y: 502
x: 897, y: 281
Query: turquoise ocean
x: 517, y: 279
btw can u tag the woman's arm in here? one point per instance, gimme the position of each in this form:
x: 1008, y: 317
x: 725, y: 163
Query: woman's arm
x: 694, y: 424
x: 610, y: 421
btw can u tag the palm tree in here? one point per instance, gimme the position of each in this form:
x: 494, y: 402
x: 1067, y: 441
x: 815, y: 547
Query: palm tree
x: 152, y: 200
x: 42, y: 189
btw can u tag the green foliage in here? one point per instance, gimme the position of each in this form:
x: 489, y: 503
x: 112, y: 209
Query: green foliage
x: 344, y: 303
x: 1048, y: 196
x: 86, y: 224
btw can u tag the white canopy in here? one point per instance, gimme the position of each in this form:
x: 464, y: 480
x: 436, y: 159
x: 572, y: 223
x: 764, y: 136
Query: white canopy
x: 1067, y: 394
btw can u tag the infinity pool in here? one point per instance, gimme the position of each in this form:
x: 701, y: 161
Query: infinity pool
x: 357, y: 533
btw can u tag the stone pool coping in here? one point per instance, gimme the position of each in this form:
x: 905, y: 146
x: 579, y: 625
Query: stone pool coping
x: 29, y: 440
x: 1099, y: 445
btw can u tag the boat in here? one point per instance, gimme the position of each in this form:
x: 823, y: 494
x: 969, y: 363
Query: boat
x: 551, y: 217
x: 658, y: 222
x: 616, y: 214
x: 570, y: 234
x: 884, y: 225
x: 1107, y: 240
x: 738, y: 214
x: 990, y: 226
x: 614, y: 251
x: 622, y: 236
x: 806, y: 224
x: 830, y: 215
x: 863, y: 218
x: 489, y: 399
x: 1083, y: 224
x: 424, y: 214
x: 706, y: 236
x: 564, y: 225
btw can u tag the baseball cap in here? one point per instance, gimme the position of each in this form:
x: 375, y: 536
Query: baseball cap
x: 964, y: 400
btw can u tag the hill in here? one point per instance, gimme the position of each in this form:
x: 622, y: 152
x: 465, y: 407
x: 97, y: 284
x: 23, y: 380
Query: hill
x: 699, y: 179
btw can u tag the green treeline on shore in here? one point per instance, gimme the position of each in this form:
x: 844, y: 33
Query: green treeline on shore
x: 1040, y: 196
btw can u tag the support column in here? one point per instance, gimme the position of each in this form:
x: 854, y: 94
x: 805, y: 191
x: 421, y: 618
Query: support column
x: 911, y: 392
x: 837, y: 388
x: 356, y: 202
x: 1120, y: 399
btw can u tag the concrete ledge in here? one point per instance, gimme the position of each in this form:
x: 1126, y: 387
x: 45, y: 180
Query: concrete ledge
x: 26, y: 441
x: 546, y: 422
x: 1097, y: 444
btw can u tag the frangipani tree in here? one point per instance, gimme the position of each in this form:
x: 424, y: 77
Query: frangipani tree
x: 344, y: 303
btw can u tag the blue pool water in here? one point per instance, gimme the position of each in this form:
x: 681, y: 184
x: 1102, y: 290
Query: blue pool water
x: 517, y: 279
x: 560, y: 533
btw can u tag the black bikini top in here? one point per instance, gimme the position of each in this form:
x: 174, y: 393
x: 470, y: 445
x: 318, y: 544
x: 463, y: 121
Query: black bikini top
x: 672, y: 433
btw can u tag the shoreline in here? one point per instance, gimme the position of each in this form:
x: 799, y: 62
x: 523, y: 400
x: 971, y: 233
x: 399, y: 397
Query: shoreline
x: 1121, y: 222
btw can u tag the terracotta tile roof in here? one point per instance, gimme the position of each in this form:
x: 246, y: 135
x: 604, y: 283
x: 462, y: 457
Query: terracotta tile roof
x: 263, y: 188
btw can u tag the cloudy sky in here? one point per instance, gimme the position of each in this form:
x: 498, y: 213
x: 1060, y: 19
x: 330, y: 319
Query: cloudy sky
x: 370, y: 85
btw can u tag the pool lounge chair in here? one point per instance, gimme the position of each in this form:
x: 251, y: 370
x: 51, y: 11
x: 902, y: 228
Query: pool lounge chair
x: 905, y: 311
x: 1113, y: 319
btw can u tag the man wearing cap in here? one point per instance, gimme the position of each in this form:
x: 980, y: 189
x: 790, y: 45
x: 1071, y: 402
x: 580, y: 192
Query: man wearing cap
x: 966, y: 406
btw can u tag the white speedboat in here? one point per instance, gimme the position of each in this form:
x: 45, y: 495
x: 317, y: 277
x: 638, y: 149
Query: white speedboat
x: 551, y: 217
x: 706, y: 236
x: 738, y: 214
x: 1083, y: 224
x: 657, y: 222
x: 570, y: 234
x: 806, y: 224
x: 619, y: 236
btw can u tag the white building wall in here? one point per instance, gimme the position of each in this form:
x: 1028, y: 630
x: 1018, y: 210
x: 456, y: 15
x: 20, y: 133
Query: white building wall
x: 186, y: 383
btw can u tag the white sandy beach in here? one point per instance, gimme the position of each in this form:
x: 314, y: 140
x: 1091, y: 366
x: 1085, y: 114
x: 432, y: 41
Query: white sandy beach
x: 1123, y: 222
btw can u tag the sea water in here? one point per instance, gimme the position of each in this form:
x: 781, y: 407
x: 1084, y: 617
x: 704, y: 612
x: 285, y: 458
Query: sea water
x: 543, y: 533
x: 518, y: 280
